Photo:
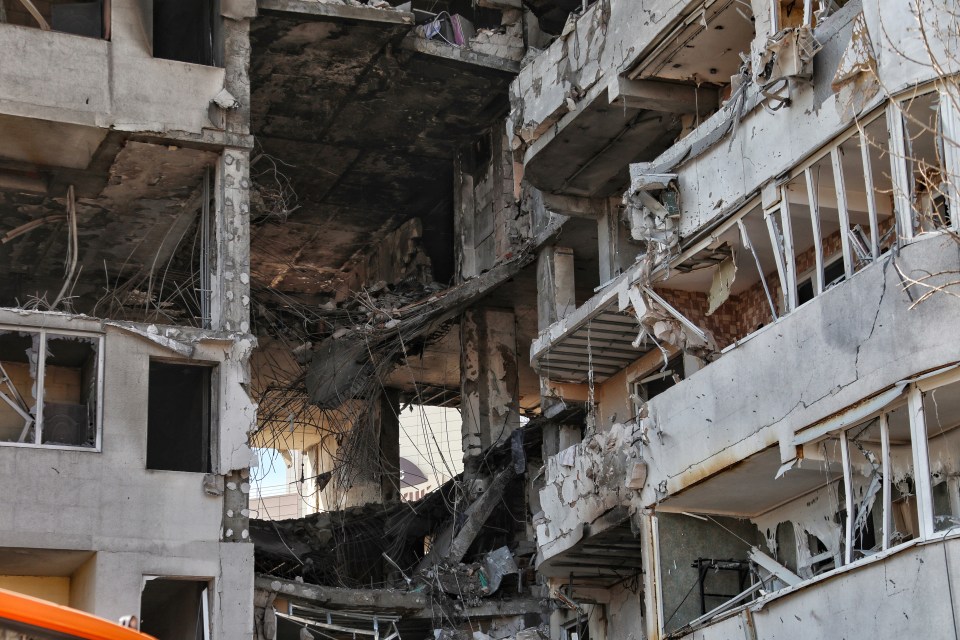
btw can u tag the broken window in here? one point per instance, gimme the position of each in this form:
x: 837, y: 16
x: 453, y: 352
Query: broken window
x: 812, y: 229
x: 759, y: 256
x: 832, y: 274
x: 927, y: 181
x: 941, y: 411
x: 175, y: 609
x: 879, y: 480
x: 878, y: 170
x: 188, y: 31
x: 50, y: 389
x: 178, y: 417
x: 89, y: 18
x: 856, y: 200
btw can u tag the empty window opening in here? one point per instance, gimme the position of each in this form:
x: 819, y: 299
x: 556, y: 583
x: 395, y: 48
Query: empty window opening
x: 90, y: 18
x: 175, y: 609
x: 650, y: 386
x: 178, y: 422
x: 876, y: 140
x: 790, y: 14
x: 941, y: 410
x: 862, y: 216
x: 51, y: 399
x: 188, y: 31
x: 578, y: 629
x: 832, y: 274
x: 927, y: 181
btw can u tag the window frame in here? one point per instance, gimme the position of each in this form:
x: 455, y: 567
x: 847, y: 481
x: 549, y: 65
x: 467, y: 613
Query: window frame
x: 106, y: 18
x: 40, y: 382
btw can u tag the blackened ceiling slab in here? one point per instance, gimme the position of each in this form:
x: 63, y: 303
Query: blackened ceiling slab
x: 364, y: 128
x: 137, y: 210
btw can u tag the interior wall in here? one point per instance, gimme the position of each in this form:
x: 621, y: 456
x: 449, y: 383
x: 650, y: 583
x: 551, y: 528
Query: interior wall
x: 683, y: 539
x: 54, y: 589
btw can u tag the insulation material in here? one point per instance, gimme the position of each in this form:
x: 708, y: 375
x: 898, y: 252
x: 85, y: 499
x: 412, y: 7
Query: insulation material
x: 814, y: 515
x: 723, y: 279
x: 664, y: 324
x: 855, y: 81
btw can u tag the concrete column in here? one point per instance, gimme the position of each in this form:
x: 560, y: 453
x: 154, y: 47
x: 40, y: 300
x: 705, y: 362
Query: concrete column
x: 650, y: 557
x: 389, y: 409
x: 236, y: 57
x: 608, y: 240
x: 465, y: 248
x: 488, y: 379
x: 555, y: 285
x: 372, y: 474
x: 236, y: 514
x: 230, y: 281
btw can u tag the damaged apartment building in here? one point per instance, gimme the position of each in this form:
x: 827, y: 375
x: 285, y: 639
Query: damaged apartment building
x: 555, y: 319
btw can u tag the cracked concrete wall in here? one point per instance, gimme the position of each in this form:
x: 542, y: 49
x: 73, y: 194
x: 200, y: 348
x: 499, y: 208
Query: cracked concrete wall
x: 908, y: 594
x: 582, y: 483
x: 811, y: 364
x: 116, y: 84
x: 624, y: 613
x: 138, y: 521
x: 608, y: 39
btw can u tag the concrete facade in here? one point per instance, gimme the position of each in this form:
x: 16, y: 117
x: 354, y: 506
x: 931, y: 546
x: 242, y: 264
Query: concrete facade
x: 687, y: 272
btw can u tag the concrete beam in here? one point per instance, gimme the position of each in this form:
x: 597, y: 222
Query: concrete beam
x: 666, y: 97
x: 490, y: 384
x: 336, y: 11
x: 336, y: 597
x: 556, y: 295
x: 475, y: 516
x: 575, y: 206
x: 501, y: 4
x: 463, y: 55
x: 495, y: 609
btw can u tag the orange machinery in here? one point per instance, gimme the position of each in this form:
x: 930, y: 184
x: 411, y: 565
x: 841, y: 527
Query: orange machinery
x: 44, y: 620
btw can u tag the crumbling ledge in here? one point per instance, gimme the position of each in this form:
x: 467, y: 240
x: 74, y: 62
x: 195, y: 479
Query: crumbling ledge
x: 336, y: 597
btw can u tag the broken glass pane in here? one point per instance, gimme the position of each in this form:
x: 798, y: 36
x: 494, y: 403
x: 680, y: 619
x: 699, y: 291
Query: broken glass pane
x: 17, y: 388
x: 70, y: 391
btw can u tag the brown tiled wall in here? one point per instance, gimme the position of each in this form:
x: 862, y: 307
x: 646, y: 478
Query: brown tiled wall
x: 742, y: 314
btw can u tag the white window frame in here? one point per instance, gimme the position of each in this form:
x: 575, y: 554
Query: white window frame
x: 43, y: 332
x: 921, y: 464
